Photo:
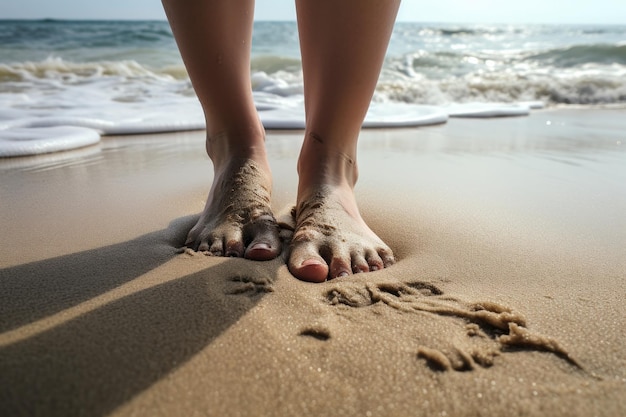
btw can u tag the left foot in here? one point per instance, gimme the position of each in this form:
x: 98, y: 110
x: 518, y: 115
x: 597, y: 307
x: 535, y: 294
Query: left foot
x: 237, y: 219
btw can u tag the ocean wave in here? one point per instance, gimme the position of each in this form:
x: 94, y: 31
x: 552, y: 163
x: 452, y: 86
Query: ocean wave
x: 410, y: 30
x: 584, y: 89
x: 68, y: 71
x: 476, y: 31
x: 57, y: 82
x: 446, y: 63
x: 581, y: 55
x: 274, y: 63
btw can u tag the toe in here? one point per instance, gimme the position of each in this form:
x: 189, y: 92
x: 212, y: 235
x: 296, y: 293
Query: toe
x: 306, y: 264
x: 265, y: 241
x: 359, y: 264
x: 191, y: 243
x: 202, y: 246
x: 340, y: 265
x: 261, y: 251
x: 217, y: 247
x: 387, y: 257
x: 374, y: 261
x: 193, y: 240
x: 200, y: 243
x: 234, y: 244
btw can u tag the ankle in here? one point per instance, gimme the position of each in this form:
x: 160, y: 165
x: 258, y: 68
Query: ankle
x: 225, y: 147
x: 324, y: 164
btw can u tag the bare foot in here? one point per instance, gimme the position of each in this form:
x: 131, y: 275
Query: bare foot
x: 331, y: 239
x: 237, y: 219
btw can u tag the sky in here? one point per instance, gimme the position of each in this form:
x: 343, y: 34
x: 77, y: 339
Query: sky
x: 454, y: 11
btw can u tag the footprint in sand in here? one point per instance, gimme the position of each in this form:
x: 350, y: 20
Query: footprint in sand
x: 490, y: 329
x: 249, y: 285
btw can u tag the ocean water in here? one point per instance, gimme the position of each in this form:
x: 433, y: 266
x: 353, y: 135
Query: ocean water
x: 100, y: 71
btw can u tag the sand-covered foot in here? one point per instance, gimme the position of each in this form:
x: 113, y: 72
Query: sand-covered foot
x: 237, y: 220
x: 331, y: 239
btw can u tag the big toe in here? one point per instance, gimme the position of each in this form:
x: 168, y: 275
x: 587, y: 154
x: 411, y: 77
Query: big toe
x: 265, y: 240
x: 262, y: 251
x: 306, y: 264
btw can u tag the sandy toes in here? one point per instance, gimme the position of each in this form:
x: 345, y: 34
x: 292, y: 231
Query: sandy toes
x: 237, y: 219
x: 331, y: 239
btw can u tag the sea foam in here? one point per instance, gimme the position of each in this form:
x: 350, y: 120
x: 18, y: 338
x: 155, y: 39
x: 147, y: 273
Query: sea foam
x: 114, y: 98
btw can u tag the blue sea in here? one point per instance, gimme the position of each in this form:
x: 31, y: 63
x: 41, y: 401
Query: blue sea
x: 107, y: 69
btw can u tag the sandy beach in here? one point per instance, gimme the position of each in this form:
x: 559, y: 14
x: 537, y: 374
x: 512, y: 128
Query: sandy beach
x: 507, y: 298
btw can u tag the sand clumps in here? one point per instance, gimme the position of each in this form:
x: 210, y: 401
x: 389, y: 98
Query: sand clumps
x: 491, y: 329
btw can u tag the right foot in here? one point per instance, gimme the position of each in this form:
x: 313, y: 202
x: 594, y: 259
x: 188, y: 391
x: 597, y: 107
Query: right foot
x: 237, y: 220
x: 331, y: 239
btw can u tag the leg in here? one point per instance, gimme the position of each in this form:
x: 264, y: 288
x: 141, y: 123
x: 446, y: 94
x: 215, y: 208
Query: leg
x: 214, y: 38
x: 343, y: 46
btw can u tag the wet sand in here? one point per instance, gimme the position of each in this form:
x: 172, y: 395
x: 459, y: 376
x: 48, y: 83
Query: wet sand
x: 508, y: 297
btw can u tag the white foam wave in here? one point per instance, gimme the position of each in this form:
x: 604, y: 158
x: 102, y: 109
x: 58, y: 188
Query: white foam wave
x: 584, y: 86
x: 126, y: 98
x: 487, y: 110
x: 20, y: 142
x: 56, y: 67
x: 378, y: 115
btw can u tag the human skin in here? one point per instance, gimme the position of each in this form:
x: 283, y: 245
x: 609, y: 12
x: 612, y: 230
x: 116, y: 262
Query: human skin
x: 343, y: 44
x: 214, y: 38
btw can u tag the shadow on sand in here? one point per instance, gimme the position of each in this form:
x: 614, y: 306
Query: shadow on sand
x: 97, y: 361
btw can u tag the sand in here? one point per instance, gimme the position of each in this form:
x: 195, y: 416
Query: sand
x: 507, y: 299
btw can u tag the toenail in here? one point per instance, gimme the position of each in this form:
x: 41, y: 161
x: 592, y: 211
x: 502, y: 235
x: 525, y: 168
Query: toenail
x: 261, y: 245
x: 312, y: 262
x: 342, y: 274
x: 373, y: 268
